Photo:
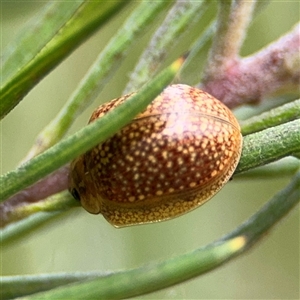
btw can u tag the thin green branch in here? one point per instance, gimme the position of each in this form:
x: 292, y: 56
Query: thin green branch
x: 21, y: 229
x: 189, y: 72
x: 270, y: 214
x: 271, y: 144
x: 160, y: 275
x: 176, y: 23
x: 279, y: 115
x: 232, y: 23
x: 149, y: 278
x: 59, y: 202
x: 88, y: 137
x: 37, y: 33
x: 240, y: 18
x: 102, y: 69
x: 26, y: 285
x: 86, y: 17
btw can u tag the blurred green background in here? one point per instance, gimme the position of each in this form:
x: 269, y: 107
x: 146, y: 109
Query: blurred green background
x: 79, y: 241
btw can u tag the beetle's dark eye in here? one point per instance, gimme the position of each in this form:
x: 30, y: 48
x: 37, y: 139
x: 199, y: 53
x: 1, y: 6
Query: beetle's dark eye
x: 75, y: 194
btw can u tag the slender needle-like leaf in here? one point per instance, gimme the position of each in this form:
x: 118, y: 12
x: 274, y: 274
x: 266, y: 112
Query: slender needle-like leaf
x: 279, y: 115
x: 62, y: 27
x: 102, y: 69
x: 271, y: 144
x: 176, y: 23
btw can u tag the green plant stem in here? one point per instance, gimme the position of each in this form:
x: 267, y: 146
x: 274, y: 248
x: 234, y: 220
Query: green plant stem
x: 21, y: 229
x: 148, y: 278
x: 176, y: 23
x: 58, y: 202
x: 86, y: 17
x: 239, y: 20
x: 191, y: 65
x: 160, y: 275
x: 271, y: 144
x: 279, y: 115
x: 270, y: 214
x: 85, y: 139
x: 233, y: 20
x: 25, y: 285
x: 37, y: 33
x: 102, y: 69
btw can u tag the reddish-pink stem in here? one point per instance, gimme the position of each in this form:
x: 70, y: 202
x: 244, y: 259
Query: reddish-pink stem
x: 52, y: 184
x: 249, y: 79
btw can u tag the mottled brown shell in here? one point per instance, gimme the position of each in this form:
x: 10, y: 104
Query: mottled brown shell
x: 170, y: 159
